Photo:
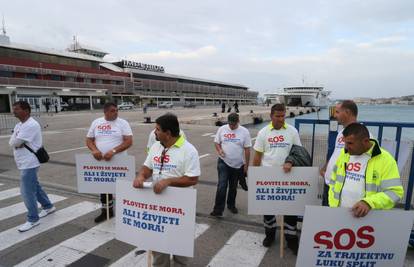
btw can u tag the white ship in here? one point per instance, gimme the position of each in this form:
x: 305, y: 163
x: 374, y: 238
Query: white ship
x: 303, y: 96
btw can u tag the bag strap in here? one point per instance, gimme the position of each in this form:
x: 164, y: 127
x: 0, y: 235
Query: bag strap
x: 28, y: 148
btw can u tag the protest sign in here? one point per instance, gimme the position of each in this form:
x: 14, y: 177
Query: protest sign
x: 272, y: 191
x: 333, y: 237
x: 100, y: 176
x: 160, y: 222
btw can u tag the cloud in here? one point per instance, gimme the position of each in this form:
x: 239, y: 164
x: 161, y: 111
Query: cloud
x: 201, y: 52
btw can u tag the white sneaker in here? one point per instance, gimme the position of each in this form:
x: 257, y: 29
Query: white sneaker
x: 45, y: 212
x: 27, y: 226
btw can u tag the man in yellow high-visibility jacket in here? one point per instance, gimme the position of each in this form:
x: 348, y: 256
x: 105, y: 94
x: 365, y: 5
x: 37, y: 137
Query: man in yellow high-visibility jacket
x: 365, y: 176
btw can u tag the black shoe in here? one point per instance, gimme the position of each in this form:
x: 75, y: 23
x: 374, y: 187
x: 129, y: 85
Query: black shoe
x: 102, y: 216
x: 216, y: 214
x: 270, y: 237
x: 293, y: 245
x: 242, y: 182
x: 268, y: 241
x: 234, y: 210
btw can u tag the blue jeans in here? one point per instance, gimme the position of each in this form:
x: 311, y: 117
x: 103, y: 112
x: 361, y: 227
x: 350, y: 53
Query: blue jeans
x: 227, y: 176
x: 32, y: 193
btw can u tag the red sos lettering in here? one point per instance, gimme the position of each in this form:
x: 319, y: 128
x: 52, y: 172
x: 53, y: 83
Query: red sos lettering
x: 362, y: 238
x: 356, y: 166
x: 276, y: 139
x: 341, y: 140
x: 104, y: 127
x: 230, y: 135
x: 158, y: 159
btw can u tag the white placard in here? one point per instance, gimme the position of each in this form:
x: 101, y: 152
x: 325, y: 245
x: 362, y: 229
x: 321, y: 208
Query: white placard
x: 272, y: 191
x: 100, y: 176
x: 333, y: 237
x: 160, y: 222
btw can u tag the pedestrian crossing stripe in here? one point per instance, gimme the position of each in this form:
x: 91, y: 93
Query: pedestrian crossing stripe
x: 20, y: 208
x: 133, y: 259
x: 11, y: 236
x: 12, y: 192
x: 244, y: 248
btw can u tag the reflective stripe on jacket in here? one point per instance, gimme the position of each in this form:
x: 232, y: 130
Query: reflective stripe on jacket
x: 383, y: 188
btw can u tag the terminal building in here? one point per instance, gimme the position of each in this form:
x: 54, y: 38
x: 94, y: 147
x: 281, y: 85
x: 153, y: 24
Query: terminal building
x: 79, y: 79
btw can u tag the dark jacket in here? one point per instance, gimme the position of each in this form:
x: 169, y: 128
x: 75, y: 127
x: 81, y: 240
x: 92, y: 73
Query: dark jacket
x: 299, y: 156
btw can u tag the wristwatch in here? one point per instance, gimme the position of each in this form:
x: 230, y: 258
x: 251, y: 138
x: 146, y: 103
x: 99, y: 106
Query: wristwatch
x: 114, y: 151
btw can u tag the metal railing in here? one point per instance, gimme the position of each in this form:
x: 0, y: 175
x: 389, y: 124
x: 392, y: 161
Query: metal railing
x: 321, y: 147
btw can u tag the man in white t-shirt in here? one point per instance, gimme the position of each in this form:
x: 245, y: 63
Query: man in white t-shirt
x: 272, y: 147
x: 346, y: 112
x: 171, y: 162
x: 232, y: 143
x: 107, y: 136
x: 28, y: 133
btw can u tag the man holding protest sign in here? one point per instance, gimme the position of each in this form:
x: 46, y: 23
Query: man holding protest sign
x: 365, y: 176
x: 107, y: 136
x: 171, y: 162
x: 272, y: 147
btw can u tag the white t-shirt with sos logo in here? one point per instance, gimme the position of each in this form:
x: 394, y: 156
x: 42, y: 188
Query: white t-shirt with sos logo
x: 339, y: 144
x: 109, y: 134
x: 181, y: 159
x: 276, y: 144
x: 353, y: 189
x: 233, y: 143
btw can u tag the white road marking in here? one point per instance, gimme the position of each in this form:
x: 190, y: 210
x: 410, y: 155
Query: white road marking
x: 254, y: 138
x: 66, y: 150
x: 244, y: 248
x: 203, y: 156
x: 73, y: 249
x: 213, y: 135
x: 140, y: 260
x: 11, y: 237
x: 206, y: 134
x: 20, y: 208
x: 12, y: 192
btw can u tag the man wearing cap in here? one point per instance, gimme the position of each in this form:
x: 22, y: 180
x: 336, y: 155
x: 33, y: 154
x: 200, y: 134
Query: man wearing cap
x: 272, y: 147
x: 232, y: 144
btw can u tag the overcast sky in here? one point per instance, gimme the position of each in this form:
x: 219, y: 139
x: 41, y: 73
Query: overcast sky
x: 354, y: 48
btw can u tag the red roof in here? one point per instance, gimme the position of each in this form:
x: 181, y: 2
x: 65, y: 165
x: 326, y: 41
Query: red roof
x: 37, y: 64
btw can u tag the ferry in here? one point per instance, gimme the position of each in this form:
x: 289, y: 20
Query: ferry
x: 302, y: 96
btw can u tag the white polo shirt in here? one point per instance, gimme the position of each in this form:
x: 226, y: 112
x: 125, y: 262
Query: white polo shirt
x: 276, y: 144
x: 233, y: 143
x: 30, y: 132
x: 181, y: 159
x: 109, y: 134
x: 152, y: 138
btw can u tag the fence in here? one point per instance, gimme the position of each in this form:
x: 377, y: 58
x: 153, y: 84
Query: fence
x: 316, y: 141
x: 8, y: 121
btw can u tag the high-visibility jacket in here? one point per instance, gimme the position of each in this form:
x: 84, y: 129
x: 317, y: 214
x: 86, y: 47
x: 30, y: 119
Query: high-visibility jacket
x: 383, y: 188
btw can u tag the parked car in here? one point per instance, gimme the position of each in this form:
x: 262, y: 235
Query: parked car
x: 189, y: 105
x: 125, y: 105
x: 165, y: 105
x: 64, y: 106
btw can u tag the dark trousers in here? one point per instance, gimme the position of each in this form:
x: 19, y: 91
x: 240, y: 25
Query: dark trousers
x: 325, y: 201
x: 227, y: 177
x: 110, y: 201
x: 290, y: 225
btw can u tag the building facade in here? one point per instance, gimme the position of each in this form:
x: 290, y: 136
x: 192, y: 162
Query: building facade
x: 80, y: 78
